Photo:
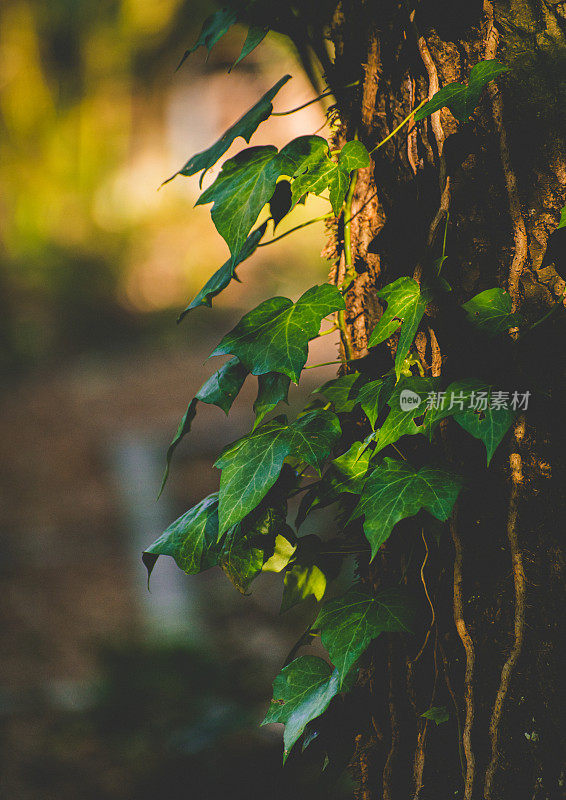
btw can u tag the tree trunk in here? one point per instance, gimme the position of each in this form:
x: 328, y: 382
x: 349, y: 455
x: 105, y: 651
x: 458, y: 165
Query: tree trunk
x: 487, y: 644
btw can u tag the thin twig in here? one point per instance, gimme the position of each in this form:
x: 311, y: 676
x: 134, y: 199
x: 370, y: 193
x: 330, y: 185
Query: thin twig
x: 296, y: 228
x: 310, y: 102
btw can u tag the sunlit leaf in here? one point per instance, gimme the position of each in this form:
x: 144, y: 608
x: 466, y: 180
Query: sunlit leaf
x: 274, y: 336
x: 273, y: 388
x: 437, y: 714
x: 490, y: 311
x: 300, y: 582
x: 395, y: 490
x: 245, y: 127
x: 406, y: 303
x: 461, y: 99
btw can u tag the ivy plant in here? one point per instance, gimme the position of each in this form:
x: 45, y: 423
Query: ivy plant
x: 350, y: 437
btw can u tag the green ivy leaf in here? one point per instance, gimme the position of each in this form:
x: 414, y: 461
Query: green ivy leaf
x: 221, y: 389
x: 373, y: 396
x: 469, y: 402
x: 353, y: 156
x: 349, y: 623
x: 273, y: 388
x: 191, y: 540
x: 213, y: 29
x: 227, y: 272
x: 251, y: 465
x: 406, y: 303
x: 283, y: 552
x: 461, y: 99
x: 245, y: 184
x: 255, y: 36
x: 437, y: 714
x: 281, y: 202
x: 301, y: 692
x: 400, y: 421
x: 338, y: 391
x: 302, y: 581
x: 562, y: 223
x: 245, y: 127
x: 396, y: 490
x: 250, y: 543
x: 274, y: 336
x: 490, y: 311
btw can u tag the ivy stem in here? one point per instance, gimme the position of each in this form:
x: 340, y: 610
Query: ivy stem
x: 398, y: 128
x: 334, y: 327
x: 296, y: 228
x: 310, y: 102
x: 348, y: 276
x: 324, y: 364
x: 559, y: 304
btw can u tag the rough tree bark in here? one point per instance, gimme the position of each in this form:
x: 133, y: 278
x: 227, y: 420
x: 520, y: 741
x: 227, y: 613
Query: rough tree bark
x: 493, y: 589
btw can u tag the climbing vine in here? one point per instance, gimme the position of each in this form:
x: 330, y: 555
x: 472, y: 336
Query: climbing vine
x: 345, y: 448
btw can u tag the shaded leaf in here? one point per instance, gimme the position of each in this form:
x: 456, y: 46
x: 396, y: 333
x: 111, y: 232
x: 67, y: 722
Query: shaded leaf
x: 213, y: 29
x: 281, y: 202
x: 338, y: 391
x: 461, y: 99
x: 273, y: 387
x: 222, y: 277
x: 406, y: 303
x: 191, y: 540
x: 301, y: 692
x: 251, y: 465
x: 349, y: 623
x: 254, y: 36
x: 245, y: 127
x: 373, y: 396
x: 274, y: 336
x: 396, y: 490
x: 438, y: 714
x: 407, y: 402
x: 490, y: 311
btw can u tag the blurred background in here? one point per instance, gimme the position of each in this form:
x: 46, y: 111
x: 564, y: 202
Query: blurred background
x: 108, y: 691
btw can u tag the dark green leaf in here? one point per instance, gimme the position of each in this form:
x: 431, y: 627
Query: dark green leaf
x: 191, y: 540
x: 438, y: 714
x: 490, y: 425
x: 222, y: 277
x: 349, y: 623
x: 302, y: 691
x: 562, y: 223
x: 255, y: 36
x: 338, y: 391
x: 281, y: 202
x: 273, y: 387
x: 274, y: 336
x: 221, y: 389
x: 407, y: 402
x: 213, y: 29
x: 373, y: 396
x: 396, y: 490
x: 460, y: 99
x: 490, y: 311
x: 245, y: 184
x: 406, y: 303
x: 251, y: 465
x: 245, y: 127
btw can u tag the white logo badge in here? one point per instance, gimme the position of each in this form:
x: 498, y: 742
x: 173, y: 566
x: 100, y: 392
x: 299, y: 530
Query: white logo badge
x: 409, y: 400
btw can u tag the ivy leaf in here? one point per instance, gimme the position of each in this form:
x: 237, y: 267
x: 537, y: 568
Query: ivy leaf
x: 562, y: 223
x: 461, y: 99
x: 245, y: 184
x: 396, y: 490
x: 251, y: 465
x: 274, y: 336
x: 273, y: 387
x: 246, y: 545
x: 490, y: 311
x: 406, y: 303
x: 349, y: 623
x: 406, y: 403
x: 191, y: 540
x: 254, y: 36
x: 373, y: 396
x: 338, y: 391
x: 222, y: 277
x: 473, y: 405
x: 353, y: 156
x: 301, y: 692
x: 302, y: 581
x: 221, y: 389
x: 283, y: 551
x: 281, y: 202
x: 245, y: 127
x: 213, y: 29
x: 437, y: 714
x: 345, y: 475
